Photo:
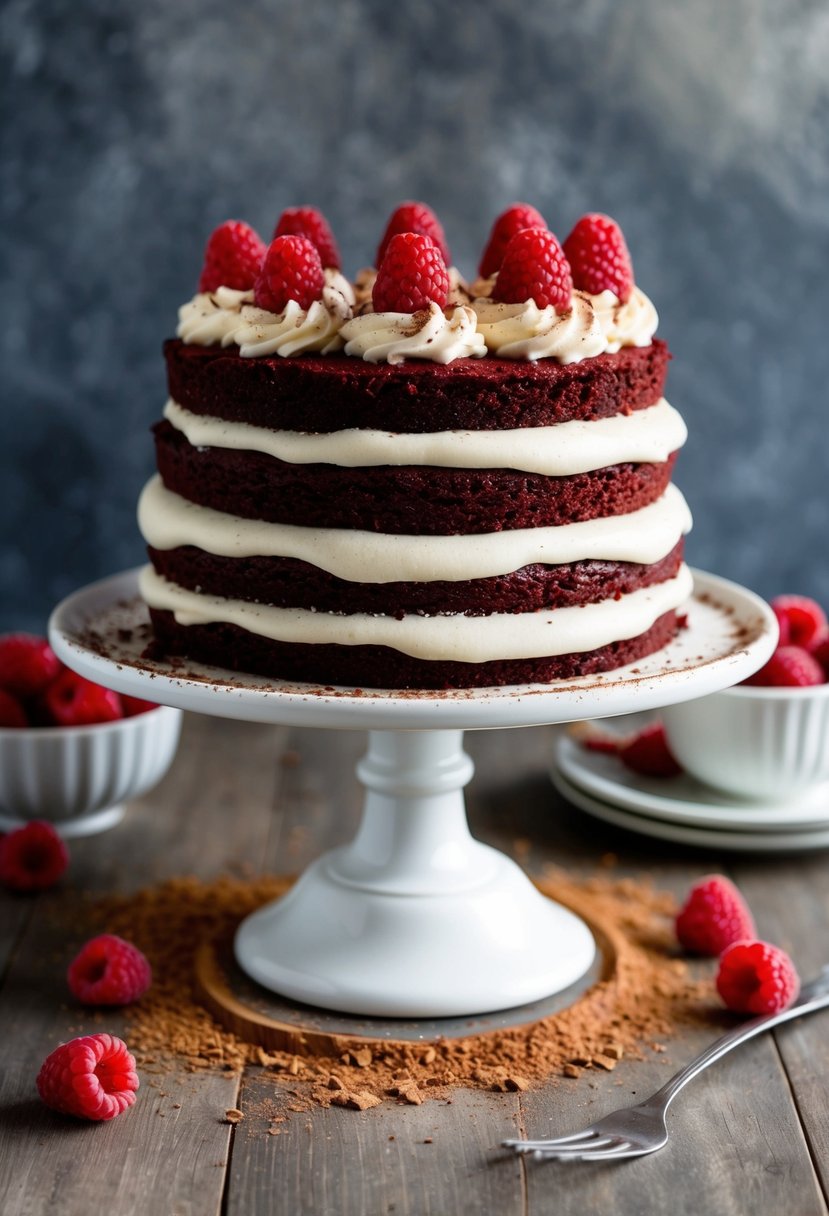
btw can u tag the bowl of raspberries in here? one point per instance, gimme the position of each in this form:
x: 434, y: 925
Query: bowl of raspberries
x: 71, y: 751
x: 768, y: 737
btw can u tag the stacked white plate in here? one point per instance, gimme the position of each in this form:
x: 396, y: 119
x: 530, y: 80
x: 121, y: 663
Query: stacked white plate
x: 682, y: 809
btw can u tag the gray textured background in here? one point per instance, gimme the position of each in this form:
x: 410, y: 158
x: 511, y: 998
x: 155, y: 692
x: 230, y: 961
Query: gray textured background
x: 129, y: 131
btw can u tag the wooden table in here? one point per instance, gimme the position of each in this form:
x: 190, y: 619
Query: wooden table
x: 750, y: 1136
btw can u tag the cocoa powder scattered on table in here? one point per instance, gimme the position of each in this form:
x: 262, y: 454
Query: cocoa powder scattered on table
x: 647, y: 995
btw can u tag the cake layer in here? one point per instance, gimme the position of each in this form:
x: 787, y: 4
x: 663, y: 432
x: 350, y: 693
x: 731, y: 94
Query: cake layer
x: 401, y: 499
x: 290, y: 583
x: 648, y: 435
x: 168, y: 521
x: 326, y: 392
x: 443, y: 636
x: 228, y: 646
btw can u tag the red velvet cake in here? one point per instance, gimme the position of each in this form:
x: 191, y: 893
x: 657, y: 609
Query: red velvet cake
x: 408, y: 483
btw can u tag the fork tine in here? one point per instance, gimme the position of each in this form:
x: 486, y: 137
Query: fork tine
x: 602, y: 1152
x: 522, y: 1146
x: 612, y: 1154
x: 600, y: 1144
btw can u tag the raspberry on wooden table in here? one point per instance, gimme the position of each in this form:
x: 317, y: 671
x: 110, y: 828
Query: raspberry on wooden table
x: 12, y: 713
x: 534, y: 268
x: 232, y: 258
x: 516, y: 217
x: 713, y: 917
x: 788, y: 667
x: 27, y: 664
x: 71, y: 700
x: 599, y: 257
x: 32, y: 858
x: 648, y: 753
x: 109, y: 971
x: 412, y: 275
x: 413, y: 217
x: 311, y: 223
x: 292, y: 270
x: 92, y: 1077
x: 756, y: 977
x: 802, y: 621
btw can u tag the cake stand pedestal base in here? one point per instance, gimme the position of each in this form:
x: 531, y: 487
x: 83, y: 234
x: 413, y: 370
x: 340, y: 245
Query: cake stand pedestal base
x: 414, y: 918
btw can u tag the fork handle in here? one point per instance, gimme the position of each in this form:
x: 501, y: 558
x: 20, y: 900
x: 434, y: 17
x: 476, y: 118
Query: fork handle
x: 814, y: 996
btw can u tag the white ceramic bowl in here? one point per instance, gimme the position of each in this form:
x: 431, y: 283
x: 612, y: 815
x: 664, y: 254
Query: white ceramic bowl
x: 759, y: 743
x: 77, y: 777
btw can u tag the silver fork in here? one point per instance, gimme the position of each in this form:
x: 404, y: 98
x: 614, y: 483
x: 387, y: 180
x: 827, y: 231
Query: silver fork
x: 634, y: 1131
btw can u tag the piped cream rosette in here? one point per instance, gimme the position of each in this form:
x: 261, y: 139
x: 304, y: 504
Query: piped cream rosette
x: 231, y: 318
x: 593, y: 325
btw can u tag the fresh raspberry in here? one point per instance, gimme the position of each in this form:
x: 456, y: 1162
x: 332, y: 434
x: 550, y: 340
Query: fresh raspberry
x: 232, y: 258
x: 599, y: 257
x: 92, y: 1077
x: 27, y: 664
x: 12, y: 713
x: 648, y: 753
x: 714, y: 916
x: 70, y: 700
x: 801, y: 620
x: 756, y: 977
x: 32, y: 858
x: 414, y: 217
x: 133, y: 706
x: 788, y: 667
x: 820, y: 652
x: 308, y: 221
x: 292, y: 271
x: 534, y: 268
x: 109, y: 971
x: 516, y: 217
x: 411, y: 276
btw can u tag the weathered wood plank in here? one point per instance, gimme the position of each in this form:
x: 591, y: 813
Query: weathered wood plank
x: 746, y: 1140
x: 320, y: 798
x: 435, y: 1159
x: 270, y: 798
x: 169, y: 1152
x: 736, y: 1145
x: 214, y: 811
x: 15, y: 913
x: 165, y: 1154
x: 790, y: 900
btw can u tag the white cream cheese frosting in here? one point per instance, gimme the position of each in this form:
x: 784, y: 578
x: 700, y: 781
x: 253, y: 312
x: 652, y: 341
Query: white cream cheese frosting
x: 594, y: 325
x: 231, y: 318
x: 391, y: 337
x: 648, y: 435
x: 167, y: 520
x: 630, y: 324
x: 524, y: 331
x: 465, y: 639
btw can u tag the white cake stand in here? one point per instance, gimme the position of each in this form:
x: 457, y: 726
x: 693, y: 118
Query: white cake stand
x: 414, y: 918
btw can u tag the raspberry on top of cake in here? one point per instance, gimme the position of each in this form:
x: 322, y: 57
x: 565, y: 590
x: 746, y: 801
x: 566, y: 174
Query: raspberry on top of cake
x: 408, y: 482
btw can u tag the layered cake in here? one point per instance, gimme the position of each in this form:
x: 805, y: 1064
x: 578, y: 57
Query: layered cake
x: 406, y: 481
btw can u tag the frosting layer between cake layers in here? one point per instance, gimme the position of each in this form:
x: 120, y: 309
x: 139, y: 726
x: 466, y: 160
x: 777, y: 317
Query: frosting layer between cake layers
x: 415, y: 525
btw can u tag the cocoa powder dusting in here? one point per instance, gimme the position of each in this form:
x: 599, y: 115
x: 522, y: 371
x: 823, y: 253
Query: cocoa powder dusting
x: 647, y: 994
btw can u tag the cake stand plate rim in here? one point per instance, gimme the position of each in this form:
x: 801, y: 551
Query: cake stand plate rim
x: 731, y: 633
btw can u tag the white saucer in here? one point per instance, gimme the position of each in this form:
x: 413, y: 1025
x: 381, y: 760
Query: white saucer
x: 683, y: 799
x: 707, y: 838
